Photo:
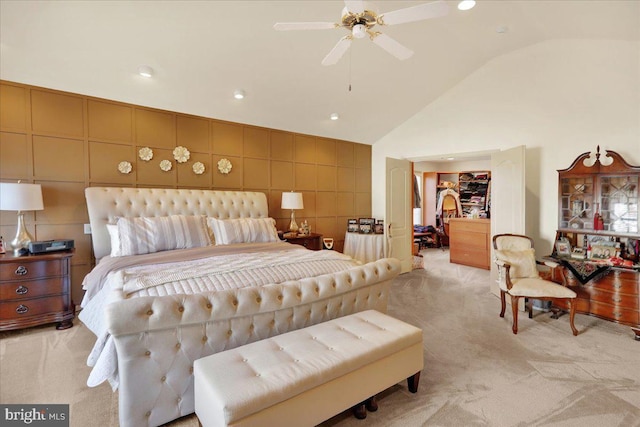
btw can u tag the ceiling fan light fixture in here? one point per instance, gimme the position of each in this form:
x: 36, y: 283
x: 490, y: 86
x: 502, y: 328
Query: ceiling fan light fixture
x: 238, y: 94
x: 145, y: 71
x: 466, y: 4
x: 359, y: 31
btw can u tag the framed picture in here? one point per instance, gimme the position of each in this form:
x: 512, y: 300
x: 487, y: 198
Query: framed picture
x: 578, y: 253
x: 379, y: 227
x: 367, y: 225
x: 563, y: 247
x: 602, y: 252
x: 352, y: 226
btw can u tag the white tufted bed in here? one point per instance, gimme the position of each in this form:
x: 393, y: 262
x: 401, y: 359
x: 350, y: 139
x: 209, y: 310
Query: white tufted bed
x: 148, y: 337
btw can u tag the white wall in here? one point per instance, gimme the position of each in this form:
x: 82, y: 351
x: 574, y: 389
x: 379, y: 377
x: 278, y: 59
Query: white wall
x: 559, y: 98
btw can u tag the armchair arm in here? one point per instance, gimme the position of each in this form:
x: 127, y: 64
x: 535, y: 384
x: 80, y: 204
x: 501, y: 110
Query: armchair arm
x: 503, y: 271
x: 550, y: 264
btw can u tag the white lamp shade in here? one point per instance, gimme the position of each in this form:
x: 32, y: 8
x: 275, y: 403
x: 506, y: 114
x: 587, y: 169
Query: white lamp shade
x: 20, y: 197
x: 292, y: 201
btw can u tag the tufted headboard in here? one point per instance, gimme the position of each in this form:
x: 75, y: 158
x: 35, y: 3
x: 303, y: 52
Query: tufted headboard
x: 105, y: 204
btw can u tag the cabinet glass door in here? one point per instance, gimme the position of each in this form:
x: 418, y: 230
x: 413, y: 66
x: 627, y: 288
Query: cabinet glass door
x: 576, y: 199
x: 619, y: 203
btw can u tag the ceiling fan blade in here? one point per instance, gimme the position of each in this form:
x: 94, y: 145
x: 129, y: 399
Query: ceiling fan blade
x: 354, y: 6
x: 434, y: 9
x: 338, y: 50
x: 288, y: 26
x: 392, y: 46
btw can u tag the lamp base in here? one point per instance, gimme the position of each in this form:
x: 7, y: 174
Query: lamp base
x: 20, y: 243
x: 293, y: 225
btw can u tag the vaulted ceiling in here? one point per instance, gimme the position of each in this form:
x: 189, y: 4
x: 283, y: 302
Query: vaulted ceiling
x: 201, y: 51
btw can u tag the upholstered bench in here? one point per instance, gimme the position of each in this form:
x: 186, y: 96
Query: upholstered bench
x: 307, y: 376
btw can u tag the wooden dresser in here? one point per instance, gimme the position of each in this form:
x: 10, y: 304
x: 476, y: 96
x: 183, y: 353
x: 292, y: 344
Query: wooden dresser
x: 35, y: 289
x: 613, y: 296
x: 469, y: 242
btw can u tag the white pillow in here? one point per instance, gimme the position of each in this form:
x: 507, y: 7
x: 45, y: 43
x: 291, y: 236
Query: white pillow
x: 523, y: 263
x: 243, y: 230
x: 115, y: 239
x: 143, y: 235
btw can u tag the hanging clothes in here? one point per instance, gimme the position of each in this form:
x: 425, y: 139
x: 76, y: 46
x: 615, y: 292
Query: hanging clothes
x: 442, y: 195
x: 417, y: 200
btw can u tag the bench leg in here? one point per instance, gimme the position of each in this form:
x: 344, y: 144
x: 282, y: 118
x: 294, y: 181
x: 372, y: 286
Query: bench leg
x: 371, y: 404
x: 413, y: 381
x: 359, y: 411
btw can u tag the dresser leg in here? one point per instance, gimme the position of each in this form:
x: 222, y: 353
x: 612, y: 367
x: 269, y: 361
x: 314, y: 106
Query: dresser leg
x: 65, y: 324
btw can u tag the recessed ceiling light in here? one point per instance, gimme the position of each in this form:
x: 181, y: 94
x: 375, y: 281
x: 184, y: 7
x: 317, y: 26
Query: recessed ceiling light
x: 450, y: 158
x: 145, y: 71
x: 466, y: 4
x: 502, y: 29
x: 238, y: 94
x: 334, y: 116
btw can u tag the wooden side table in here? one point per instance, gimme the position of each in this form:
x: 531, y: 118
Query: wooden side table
x: 313, y: 241
x: 35, y: 290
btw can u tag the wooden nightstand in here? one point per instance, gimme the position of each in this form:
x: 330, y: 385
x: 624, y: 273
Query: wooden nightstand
x: 35, y: 289
x: 313, y: 241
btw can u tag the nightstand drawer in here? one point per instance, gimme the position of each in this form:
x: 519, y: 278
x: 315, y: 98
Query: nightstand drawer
x: 27, y: 270
x: 35, y: 307
x: 32, y: 289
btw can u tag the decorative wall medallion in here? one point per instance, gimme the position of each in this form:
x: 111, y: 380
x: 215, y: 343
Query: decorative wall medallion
x: 198, y: 168
x: 124, y: 167
x: 166, y: 165
x: 224, y: 166
x: 181, y: 154
x: 145, y: 154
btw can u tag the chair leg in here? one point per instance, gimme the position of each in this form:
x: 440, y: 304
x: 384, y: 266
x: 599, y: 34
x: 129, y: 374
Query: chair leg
x: 503, y: 302
x: 572, y: 313
x: 530, y: 307
x: 514, y: 309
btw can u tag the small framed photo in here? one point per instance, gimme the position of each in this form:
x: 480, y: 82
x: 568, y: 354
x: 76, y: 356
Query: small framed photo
x: 352, y: 226
x: 578, y: 253
x: 563, y: 247
x: 602, y: 252
x: 379, y: 227
x: 367, y: 225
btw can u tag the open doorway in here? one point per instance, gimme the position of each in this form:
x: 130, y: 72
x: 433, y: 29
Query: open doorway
x: 443, y: 179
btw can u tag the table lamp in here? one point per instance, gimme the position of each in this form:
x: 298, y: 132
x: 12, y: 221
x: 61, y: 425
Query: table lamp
x: 292, y: 201
x: 20, y: 197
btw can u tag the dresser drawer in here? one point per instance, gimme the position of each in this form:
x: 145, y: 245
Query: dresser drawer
x: 477, y: 241
x: 465, y: 226
x: 32, y: 289
x: 617, y: 313
x: 618, y: 281
x: 470, y: 256
x: 613, y: 298
x: 14, y: 310
x: 27, y: 270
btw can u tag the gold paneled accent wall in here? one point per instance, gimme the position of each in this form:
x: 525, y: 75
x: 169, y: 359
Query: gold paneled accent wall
x: 68, y: 142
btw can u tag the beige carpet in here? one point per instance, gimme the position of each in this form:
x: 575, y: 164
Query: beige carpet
x: 477, y: 373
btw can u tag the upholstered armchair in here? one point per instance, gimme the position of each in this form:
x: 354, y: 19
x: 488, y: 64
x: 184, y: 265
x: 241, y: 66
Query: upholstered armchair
x: 518, y: 276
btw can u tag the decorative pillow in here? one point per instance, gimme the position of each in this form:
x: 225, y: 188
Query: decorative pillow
x: 144, y: 235
x: 523, y: 263
x: 243, y: 230
x: 115, y: 239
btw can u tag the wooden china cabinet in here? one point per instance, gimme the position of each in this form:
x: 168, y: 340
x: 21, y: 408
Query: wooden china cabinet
x: 598, y: 208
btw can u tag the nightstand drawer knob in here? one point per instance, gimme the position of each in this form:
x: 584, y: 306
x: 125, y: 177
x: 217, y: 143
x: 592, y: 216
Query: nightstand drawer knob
x: 21, y: 290
x: 21, y: 270
x: 22, y: 309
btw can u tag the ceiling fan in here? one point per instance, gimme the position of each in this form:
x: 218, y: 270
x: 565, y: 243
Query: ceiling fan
x: 360, y: 17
